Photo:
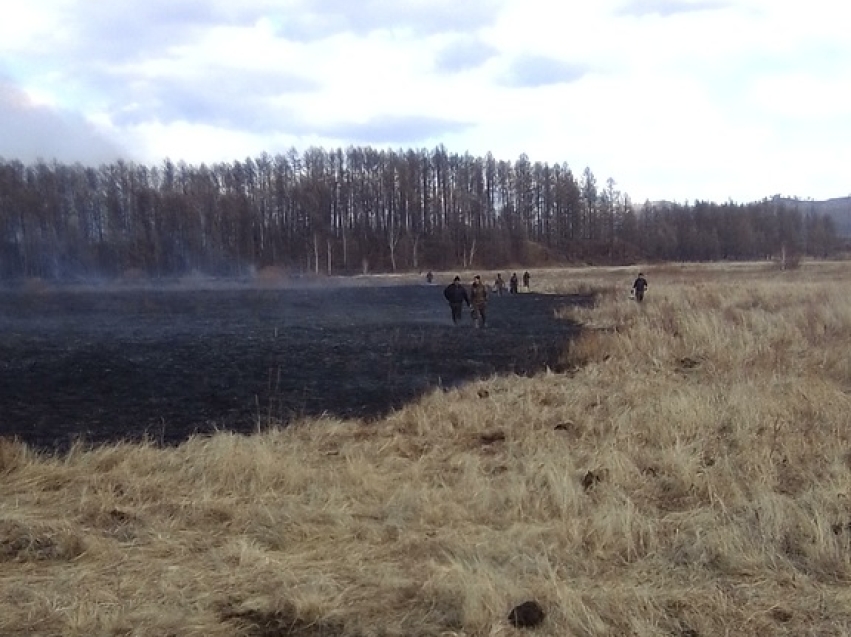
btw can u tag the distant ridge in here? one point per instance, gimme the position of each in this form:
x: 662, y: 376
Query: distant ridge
x: 838, y: 209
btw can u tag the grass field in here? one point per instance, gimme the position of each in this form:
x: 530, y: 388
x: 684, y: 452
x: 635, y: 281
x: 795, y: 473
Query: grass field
x: 691, y: 476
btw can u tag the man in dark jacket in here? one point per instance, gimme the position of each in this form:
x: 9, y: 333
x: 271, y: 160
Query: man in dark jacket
x: 479, y: 301
x: 457, y: 296
x: 639, y: 287
x: 512, y: 284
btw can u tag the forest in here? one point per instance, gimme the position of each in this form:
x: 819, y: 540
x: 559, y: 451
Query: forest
x: 362, y: 209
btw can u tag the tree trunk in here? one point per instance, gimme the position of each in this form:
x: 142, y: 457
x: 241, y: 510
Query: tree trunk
x: 472, y: 254
x: 414, y: 256
x: 345, y: 251
x: 315, y: 253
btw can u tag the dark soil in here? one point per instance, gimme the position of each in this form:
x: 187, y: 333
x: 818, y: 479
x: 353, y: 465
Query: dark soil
x: 107, y: 365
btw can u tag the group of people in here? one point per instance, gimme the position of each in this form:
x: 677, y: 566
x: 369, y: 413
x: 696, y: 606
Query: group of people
x: 499, y: 284
x: 477, y: 299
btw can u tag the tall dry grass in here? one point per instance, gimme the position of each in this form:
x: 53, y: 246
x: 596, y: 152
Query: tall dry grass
x: 689, y: 476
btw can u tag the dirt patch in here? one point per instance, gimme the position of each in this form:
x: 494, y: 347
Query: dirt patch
x: 109, y: 365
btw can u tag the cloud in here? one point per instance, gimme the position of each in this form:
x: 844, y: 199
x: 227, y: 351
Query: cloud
x: 666, y: 8
x: 31, y: 131
x: 250, y: 100
x: 464, y: 54
x: 318, y: 19
x: 532, y: 71
x: 116, y: 32
x: 395, y: 129
x: 216, y: 79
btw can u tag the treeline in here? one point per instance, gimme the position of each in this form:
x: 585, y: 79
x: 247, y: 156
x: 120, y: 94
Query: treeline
x: 361, y: 209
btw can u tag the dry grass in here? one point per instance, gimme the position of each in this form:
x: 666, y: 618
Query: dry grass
x: 690, y: 477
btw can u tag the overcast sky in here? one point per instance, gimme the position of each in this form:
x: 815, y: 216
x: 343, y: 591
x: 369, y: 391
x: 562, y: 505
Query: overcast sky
x: 673, y: 99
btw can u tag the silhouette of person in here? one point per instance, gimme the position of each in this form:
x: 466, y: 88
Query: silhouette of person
x: 639, y: 287
x: 479, y: 301
x: 456, y: 295
x: 499, y: 285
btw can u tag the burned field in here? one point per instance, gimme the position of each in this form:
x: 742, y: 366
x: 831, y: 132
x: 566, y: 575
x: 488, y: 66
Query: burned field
x: 108, y: 365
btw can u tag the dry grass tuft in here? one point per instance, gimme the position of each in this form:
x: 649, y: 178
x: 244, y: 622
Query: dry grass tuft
x: 278, y: 622
x: 690, y: 475
x: 37, y: 542
x: 13, y: 455
x: 272, y: 274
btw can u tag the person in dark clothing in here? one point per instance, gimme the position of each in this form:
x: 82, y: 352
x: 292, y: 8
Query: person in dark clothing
x: 639, y: 287
x: 499, y: 285
x: 479, y: 301
x: 456, y: 295
x: 526, y: 278
x: 429, y: 277
x: 512, y: 284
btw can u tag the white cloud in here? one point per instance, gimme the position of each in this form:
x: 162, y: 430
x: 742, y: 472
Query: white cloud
x: 33, y: 130
x: 674, y: 99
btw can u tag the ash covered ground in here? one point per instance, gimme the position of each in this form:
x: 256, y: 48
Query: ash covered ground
x: 108, y: 365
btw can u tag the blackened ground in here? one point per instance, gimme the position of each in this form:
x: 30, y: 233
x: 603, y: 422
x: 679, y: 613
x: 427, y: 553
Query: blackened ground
x: 114, y: 365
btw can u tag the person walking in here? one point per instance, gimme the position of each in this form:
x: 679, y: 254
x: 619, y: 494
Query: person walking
x: 499, y: 285
x: 479, y: 301
x: 512, y: 284
x: 639, y: 287
x: 526, y: 278
x: 456, y: 295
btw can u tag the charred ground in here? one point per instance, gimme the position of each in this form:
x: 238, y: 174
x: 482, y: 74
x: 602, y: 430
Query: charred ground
x: 107, y: 365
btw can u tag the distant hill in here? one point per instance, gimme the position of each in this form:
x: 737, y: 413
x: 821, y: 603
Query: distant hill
x: 838, y: 209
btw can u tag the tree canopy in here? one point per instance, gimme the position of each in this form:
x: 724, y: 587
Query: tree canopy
x: 362, y: 209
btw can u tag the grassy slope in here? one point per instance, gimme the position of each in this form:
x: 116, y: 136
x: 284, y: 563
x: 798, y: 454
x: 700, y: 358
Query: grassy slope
x: 715, y: 418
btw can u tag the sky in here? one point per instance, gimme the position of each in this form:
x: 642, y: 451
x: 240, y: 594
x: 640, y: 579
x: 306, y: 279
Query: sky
x: 678, y: 100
